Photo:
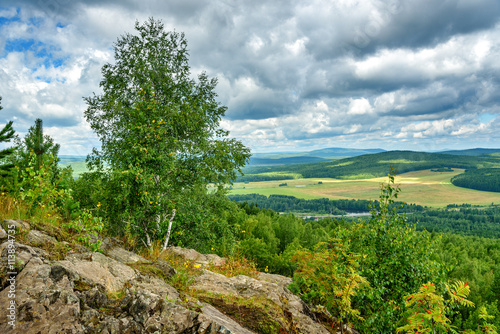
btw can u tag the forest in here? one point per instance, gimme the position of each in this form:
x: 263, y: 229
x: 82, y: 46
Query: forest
x: 372, y: 165
x: 486, y: 179
x: 160, y: 178
x: 458, y: 219
x: 291, y: 204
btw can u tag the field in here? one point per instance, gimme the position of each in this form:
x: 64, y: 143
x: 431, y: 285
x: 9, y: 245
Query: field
x: 79, y: 167
x: 423, y: 187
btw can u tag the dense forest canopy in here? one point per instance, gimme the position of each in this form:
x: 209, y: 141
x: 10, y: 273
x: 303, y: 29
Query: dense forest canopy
x: 486, y: 179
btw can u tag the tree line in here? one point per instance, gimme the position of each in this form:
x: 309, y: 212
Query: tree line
x: 486, y: 179
x: 284, y: 203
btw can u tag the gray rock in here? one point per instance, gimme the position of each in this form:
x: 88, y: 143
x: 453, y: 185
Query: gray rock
x: 3, y: 234
x: 124, y: 256
x: 211, y: 315
x: 195, y: 257
x: 167, y: 270
x: 246, y: 287
x: 102, y: 270
x: 17, y: 224
x: 95, y: 298
x: 42, y: 305
x: 154, y: 286
x: 94, y: 293
x: 282, y: 281
x: 22, y: 255
x: 39, y: 238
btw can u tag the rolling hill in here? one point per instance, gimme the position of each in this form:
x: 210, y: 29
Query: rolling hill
x: 375, y: 165
x: 473, y: 151
x: 325, y: 154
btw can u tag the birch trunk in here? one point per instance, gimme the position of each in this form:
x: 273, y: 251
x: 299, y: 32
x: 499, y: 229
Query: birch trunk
x: 169, y: 229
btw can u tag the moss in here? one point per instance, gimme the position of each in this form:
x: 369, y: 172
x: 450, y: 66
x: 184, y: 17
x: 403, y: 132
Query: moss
x: 250, y: 314
x: 147, y: 268
x: 82, y: 286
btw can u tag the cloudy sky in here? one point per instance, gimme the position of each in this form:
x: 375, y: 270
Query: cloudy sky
x: 295, y: 75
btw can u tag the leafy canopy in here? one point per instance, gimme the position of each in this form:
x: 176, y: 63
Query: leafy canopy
x: 159, y: 128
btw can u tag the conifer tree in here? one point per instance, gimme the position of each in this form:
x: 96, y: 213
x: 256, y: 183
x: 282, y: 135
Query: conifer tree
x: 6, y: 134
x: 35, y: 142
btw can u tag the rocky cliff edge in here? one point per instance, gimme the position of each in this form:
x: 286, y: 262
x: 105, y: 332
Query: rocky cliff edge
x: 117, y: 291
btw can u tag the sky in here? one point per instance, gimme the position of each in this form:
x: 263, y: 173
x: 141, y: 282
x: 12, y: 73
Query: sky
x: 296, y: 75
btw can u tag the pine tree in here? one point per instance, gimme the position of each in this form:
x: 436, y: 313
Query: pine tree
x: 6, y: 134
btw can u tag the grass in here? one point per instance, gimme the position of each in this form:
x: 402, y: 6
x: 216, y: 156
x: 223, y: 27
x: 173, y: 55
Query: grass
x: 44, y: 219
x: 424, y: 187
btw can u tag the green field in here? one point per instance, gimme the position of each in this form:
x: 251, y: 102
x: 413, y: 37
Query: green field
x: 420, y: 187
x: 78, y: 167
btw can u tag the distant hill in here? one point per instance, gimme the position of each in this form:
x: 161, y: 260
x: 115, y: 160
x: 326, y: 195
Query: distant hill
x: 342, y: 152
x: 375, y: 165
x: 284, y: 161
x: 67, y: 159
x: 325, y: 154
x: 473, y: 151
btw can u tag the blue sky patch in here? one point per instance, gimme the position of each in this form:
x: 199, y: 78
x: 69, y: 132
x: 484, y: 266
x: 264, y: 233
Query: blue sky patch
x: 47, y: 54
x: 485, y: 118
x: 19, y: 45
x: 7, y: 20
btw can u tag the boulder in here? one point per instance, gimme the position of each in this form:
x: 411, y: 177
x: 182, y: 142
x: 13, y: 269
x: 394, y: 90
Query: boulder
x: 246, y: 288
x: 42, y: 305
x: 100, y: 270
x: 39, y: 238
x: 282, y: 281
x: 17, y: 224
x: 124, y: 256
x: 225, y: 324
x: 195, y: 257
x: 22, y: 255
x: 153, y: 286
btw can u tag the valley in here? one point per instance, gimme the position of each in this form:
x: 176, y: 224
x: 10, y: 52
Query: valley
x: 423, y: 187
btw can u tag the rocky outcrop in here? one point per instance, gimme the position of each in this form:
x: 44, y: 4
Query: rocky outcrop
x: 275, y: 297
x: 195, y: 257
x: 107, y: 293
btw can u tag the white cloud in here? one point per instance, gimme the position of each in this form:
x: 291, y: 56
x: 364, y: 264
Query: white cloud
x: 350, y: 72
x: 360, y: 107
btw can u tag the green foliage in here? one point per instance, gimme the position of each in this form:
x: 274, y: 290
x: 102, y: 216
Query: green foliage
x: 427, y: 310
x: 87, y: 225
x: 42, y: 146
x: 397, y: 260
x: 38, y: 187
x: 465, y: 220
x: 486, y: 179
x: 283, y: 203
x: 6, y: 135
x: 159, y: 131
x: 485, y: 326
x: 476, y: 260
x: 329, y: 277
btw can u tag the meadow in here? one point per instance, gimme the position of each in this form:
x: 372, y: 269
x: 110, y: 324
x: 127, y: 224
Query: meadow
x: 423, y: 187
